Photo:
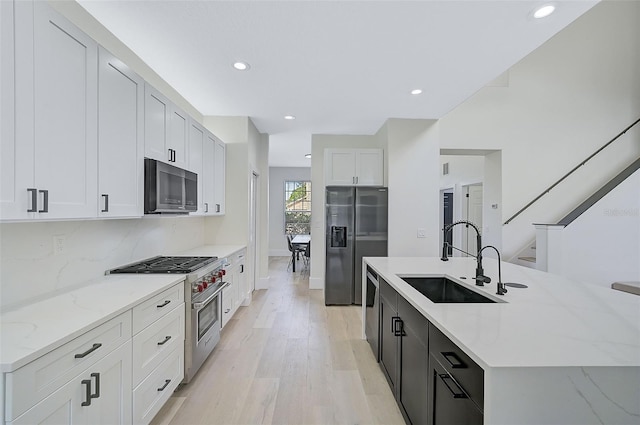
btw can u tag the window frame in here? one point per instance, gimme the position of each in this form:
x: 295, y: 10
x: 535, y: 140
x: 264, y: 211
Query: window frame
x: 287, y: 195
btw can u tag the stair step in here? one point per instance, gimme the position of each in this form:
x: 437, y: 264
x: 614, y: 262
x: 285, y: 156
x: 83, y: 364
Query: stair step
x: 530, y: 259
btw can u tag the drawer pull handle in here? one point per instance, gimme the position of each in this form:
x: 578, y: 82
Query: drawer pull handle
x: 448, y: 378
x: 163, y: 304
x: 89, y: 351
x: 97, y: 393
x: 167, y: 338
x: 166, y: 382
x: 227, y: 310
x: 87, y: 382
x: 454, y: 360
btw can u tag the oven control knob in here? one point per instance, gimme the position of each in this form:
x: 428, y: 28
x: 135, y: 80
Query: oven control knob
x: 200, y: 288
x: 205, y: 284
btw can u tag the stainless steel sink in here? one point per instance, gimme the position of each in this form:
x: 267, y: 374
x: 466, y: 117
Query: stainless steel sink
x: 443, y: 290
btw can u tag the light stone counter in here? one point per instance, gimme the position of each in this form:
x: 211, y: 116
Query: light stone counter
x: 31, y: 331
x: 557, y: 352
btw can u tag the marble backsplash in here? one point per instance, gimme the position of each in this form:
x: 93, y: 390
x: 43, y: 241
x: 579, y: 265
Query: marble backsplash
x: 31, y: 269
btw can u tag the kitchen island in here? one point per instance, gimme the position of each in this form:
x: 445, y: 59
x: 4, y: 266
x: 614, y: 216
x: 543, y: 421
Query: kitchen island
x: 556, y: 352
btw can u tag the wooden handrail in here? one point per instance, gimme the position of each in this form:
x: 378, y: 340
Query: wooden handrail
x: 547, y: 190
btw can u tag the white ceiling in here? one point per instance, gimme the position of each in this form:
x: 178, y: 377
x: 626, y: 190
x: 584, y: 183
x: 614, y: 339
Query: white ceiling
x: 340, y: 67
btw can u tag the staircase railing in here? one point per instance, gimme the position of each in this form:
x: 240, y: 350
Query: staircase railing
x: 547, y: 190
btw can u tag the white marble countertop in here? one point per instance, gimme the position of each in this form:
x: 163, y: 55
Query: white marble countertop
x: 33, y: 330
x: 555, y: 322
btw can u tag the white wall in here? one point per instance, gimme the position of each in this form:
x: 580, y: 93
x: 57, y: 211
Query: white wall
x: 562, y: 102
x: 463, y: 170
x: 602, y: 245
x: 414, y: 183
x: 277, y: 177
x: 247, y: 152
x: 30, y: 270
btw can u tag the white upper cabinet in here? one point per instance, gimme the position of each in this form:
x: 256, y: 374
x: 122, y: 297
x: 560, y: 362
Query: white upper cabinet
x: 9, y: 202
x: 196, y: 158
x: 166, y: 129
x: 220, y: 155
x: 354, y: 167
x: 208, y: 173
x: 207, y: 160
x: 120, y: 138
x: 54, y: 152
x: 156, y: 124
x: 178, y: 137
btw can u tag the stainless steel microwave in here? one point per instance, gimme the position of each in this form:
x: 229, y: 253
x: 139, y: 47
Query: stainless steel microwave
x: 169, y: 189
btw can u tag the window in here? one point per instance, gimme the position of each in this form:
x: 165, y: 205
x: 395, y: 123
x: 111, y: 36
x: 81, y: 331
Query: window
x: 297, y: 207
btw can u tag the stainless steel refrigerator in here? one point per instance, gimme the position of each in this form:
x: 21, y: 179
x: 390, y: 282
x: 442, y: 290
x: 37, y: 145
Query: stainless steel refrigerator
x: 356, y: 227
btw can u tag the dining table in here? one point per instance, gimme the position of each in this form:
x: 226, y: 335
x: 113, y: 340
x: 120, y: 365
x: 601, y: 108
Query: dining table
x: 299, y: 241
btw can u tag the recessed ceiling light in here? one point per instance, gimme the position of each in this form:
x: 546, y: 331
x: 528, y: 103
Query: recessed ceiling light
x: 241, y: 66
x: 289, y: 117
x: 544, y: 11
x: 416, y: 91
x: 308, y: 156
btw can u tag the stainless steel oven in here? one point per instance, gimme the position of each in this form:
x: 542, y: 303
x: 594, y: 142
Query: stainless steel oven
x: 205, y: 327
x: 203, y: 285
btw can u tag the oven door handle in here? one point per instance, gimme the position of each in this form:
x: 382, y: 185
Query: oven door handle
x: 200, y: 304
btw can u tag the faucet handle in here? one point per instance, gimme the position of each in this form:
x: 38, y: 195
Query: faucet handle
x: 481, y: 280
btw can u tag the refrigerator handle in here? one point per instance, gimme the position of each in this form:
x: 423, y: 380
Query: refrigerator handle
x: 338, y: 236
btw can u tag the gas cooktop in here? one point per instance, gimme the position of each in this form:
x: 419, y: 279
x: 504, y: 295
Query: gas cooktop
x: 162, y: 264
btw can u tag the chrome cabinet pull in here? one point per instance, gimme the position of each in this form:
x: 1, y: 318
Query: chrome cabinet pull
x: 89, y: 351
x: 206, y: 207
x: 34, y: 200
x: 217, y: 207
x: 45, y: 194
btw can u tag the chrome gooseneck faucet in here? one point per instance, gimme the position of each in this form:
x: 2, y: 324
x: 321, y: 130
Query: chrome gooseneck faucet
x: 502, y: 289
x: 480, y: 278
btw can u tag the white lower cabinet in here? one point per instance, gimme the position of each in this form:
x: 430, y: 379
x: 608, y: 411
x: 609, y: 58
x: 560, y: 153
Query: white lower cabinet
x: 155, y: 390
x: 229, y: 295
x: 119, y: 372
x: 237, y: 292
x: 158, y: 351
x: 99, y: 395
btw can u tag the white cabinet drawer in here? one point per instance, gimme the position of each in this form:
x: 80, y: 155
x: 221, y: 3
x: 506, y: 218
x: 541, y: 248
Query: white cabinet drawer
x: 156, y: 389
x: 154, y: 308
x: 33, y: 382
x: 153, y: 344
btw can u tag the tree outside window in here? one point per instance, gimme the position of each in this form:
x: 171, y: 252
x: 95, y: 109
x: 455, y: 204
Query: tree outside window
x: 297, y: 207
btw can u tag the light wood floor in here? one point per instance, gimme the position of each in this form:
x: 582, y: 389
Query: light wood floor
x: 287, y: 359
